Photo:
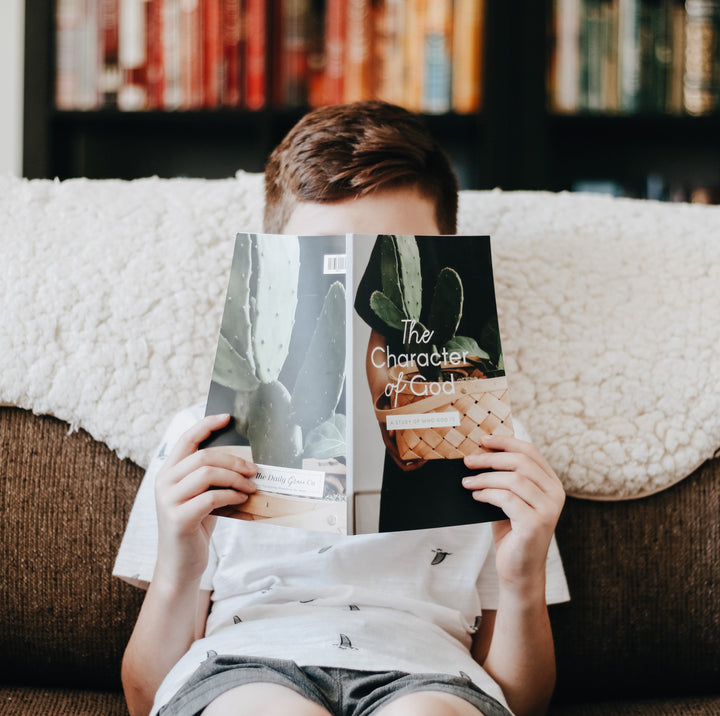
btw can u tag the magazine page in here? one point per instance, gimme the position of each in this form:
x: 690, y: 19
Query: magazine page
x: 280, y: 372
x: 412, y: 321
x: 429, y: 380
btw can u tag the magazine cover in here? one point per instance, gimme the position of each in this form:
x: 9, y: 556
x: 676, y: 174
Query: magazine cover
x: 359, y: 372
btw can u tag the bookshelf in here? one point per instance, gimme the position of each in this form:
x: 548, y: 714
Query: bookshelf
x: 214, y: 142
x: 518, y: 140
x: 633, y: 97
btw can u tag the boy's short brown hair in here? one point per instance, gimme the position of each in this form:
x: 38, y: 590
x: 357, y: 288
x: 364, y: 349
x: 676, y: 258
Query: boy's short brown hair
x: 343, y: 151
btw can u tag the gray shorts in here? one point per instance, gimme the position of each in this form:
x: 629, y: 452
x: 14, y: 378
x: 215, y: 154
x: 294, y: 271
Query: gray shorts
x: 343, y: 692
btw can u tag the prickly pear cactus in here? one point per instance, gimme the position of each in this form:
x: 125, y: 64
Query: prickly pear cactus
x: 276, y: 271
x: 232, y: 369
x: 236, y: 325
x: 387, y: 311
x: 390, y: 271
x: 400, y: 299
x: 410, y: 275
x: 446, y: 306
x: 322, y: 375
x: 274, y: 438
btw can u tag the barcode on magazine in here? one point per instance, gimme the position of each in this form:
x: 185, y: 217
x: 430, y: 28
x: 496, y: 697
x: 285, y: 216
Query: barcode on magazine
x: 334, y: 263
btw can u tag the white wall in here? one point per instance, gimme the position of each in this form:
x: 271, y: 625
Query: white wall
x: 11, y: 85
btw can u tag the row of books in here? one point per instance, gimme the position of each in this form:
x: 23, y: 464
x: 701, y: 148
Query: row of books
x: 193, y: 54
x: 635, y: 56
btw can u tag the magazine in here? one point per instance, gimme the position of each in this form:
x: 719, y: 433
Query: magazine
x: 359, y: 371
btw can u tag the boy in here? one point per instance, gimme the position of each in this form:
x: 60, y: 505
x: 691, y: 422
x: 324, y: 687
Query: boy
x: 310, y: 624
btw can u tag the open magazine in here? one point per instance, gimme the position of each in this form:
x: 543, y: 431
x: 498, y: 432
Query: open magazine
x: 359, y: 371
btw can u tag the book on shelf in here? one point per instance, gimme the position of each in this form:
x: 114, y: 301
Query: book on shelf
x: 467, y: 59
x: 109, y: 80
x: 628, y: 52
x: 154, y: 63
x: 256, y: 51
x: 77, y: 55
x: 358, y: 51
x: 191, y: 54
x: 414, y: 54
x: 212, y: 49
x: 633, y: 56
x: 132, y: 40
x: 437, y: 37
x: 700, y: 86
x: 358, y: 370
x: 388, y: 57
x: 335, y: 36
x: 316, y: 61
x: 294, y: 38
x: 253, y: 54
x: 231, y: 63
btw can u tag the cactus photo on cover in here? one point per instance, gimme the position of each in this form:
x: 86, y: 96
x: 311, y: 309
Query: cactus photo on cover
x: 280, y: 372
x: 443, y: 379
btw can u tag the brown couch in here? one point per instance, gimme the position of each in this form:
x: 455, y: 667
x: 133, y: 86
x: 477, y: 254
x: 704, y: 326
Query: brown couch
x: 641, y: 635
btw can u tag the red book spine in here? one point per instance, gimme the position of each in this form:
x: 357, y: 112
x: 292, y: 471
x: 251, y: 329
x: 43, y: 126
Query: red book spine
x: 212, y: 52
x: 315, y: 26
x: 155, y: 77
x: 256, y: 54
x: 191, y: 54
x: 335, y: 27
x: 276, y: 27
x: 230, y: 82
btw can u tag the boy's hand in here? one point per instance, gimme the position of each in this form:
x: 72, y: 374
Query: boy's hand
x: 520, y: 481
x: 190, y: 485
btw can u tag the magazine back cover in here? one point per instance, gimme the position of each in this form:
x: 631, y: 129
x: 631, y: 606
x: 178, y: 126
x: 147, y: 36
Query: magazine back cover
x: 280, y: 372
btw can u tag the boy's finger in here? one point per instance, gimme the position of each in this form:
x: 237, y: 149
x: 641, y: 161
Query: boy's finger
x: 509, y: 443
x: 504, y: 445
x: 212, y: 478
x: 211, y: 458
x: 510, y: 463
x: 203, y: 505
x: 191, y: 439
x: 511, y: 504
x: 525, y: 489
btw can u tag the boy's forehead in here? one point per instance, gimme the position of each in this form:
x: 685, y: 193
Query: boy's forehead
x: 394, y: 211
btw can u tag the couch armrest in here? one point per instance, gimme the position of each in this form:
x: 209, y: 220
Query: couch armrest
x: 644, y: 577
x: 65, y: 499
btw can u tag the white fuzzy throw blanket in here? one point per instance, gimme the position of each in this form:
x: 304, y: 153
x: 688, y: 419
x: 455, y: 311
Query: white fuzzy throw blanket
x: 112, y: 294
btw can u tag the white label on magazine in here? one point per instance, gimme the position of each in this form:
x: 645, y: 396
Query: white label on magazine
x: 423, y: 420
x: 334, y: 263
x: 290, y: 481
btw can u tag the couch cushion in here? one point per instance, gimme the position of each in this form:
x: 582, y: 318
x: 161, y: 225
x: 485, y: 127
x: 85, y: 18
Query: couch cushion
x: 703, y: 706
x: 644, y: 577
x: 64, y: 499
x: 29, y: 701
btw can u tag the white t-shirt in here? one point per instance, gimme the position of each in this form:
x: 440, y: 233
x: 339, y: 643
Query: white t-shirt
x: 407, y: 601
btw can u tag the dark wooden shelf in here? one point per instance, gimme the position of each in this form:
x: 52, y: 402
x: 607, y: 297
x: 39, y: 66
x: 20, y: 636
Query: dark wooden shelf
x: 209, y: 143
x: 629, y: 149
x: 659, y: 125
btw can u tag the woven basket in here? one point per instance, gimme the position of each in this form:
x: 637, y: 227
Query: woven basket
x: 483, y: 405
